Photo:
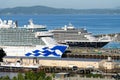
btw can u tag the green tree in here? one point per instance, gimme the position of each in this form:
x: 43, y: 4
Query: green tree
x: 2, y: 54
x: 48, y: 78
x: 5, y: 78
x: 20, y: 76
x: 40, y: 78
x: 30, y: 75
x: 53, y: 75
x: 42, y: 74
x: 14, y: 78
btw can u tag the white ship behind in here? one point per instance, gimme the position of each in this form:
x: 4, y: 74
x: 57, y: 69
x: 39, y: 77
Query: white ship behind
x: 79, y: 37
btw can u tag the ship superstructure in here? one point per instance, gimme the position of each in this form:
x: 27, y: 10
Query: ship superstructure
x: 30, y: 40
x: 78, y: 37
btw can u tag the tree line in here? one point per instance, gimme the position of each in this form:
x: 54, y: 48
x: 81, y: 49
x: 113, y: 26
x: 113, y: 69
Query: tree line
x: 30, y: 75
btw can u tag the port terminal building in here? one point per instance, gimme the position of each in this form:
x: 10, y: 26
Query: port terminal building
x: 60, y: 62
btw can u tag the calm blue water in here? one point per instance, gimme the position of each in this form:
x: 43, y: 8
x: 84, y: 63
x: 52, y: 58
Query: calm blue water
x: 97, y: 24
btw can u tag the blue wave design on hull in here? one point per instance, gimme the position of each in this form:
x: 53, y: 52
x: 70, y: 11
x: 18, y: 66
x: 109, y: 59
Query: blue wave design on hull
x: 56, y: 51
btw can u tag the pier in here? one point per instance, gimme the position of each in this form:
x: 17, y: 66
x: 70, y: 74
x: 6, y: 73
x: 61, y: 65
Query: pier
x: 94, y: 56
x: 93, y: 53
x: 17, y: 69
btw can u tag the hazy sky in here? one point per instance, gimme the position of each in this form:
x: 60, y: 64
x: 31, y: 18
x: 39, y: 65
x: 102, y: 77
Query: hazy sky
x: 76, y: 4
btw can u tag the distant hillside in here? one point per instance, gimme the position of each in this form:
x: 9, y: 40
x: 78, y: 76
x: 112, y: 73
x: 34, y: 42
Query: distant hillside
x: 49, y: 10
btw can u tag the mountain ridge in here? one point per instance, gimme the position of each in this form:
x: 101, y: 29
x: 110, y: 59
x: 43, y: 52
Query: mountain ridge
x: 50, y: 10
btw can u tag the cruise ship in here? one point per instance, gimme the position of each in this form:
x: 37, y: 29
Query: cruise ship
x: 79, y: 37
x: 28, y: 41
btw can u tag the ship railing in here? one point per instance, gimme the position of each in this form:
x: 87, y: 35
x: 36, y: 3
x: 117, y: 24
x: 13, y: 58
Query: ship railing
x: 79, y: 41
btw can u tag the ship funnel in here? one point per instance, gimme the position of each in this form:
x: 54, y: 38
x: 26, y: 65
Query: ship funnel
x: 16, y: 23
x: 65, y: 28
x: 30, y: 22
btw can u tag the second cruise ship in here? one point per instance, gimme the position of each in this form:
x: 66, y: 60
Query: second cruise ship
x: 79, y: 37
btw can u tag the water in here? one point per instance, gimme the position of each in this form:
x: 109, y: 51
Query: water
x: 97, y: 24
x: 112, y: 45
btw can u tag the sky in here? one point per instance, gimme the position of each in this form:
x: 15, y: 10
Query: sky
x: 75, y: 4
